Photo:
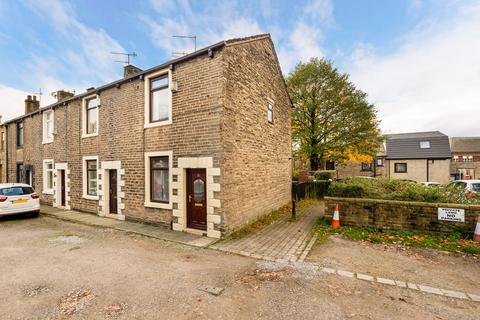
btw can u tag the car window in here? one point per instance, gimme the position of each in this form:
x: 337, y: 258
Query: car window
x: 16, y: 191
x: 460, y: 184
x: 476, y: 186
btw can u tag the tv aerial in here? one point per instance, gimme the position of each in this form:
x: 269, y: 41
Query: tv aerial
x: 184, y: 53
x: 127, y: 56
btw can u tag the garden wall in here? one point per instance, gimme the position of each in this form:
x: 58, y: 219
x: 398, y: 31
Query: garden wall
x: 400, y: 215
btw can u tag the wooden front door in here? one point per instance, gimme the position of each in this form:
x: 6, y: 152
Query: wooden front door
x: 63, y: 189
x: 197, y: 199
x: 112, y: 192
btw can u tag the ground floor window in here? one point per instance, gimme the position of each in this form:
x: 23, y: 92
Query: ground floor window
x: 47, y: 176
x: 20, y: 173
x: 159, y: 184
x: 90, y: 177
x: 366, y: 166
x: 400, y: 167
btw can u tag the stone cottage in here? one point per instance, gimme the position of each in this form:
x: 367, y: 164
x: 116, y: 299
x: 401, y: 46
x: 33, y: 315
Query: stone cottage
x: 465, y: 158
x: 201, y: 143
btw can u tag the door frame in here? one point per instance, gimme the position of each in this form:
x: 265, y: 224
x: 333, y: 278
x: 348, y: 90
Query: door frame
x: 57, y: 188
x: 189, y: 187
x: 104, y: 188
x: 179, y: 177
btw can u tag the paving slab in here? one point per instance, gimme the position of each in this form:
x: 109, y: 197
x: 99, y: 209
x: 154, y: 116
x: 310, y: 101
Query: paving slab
x: 127, y: 226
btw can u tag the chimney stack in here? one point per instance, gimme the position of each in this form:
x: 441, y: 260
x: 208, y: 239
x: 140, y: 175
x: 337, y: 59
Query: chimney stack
x: 129, y: 70
x: 62, y: 95
x: 31, y: 104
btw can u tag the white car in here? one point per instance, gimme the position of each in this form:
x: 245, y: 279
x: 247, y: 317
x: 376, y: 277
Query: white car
x: 430, y: 183
x: 18, y: 198
x: 468, y: 185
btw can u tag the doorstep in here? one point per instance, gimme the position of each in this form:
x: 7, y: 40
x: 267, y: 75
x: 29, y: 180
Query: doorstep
x: 127, y: 226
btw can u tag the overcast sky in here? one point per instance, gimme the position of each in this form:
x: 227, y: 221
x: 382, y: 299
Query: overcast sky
x: 418, y: 60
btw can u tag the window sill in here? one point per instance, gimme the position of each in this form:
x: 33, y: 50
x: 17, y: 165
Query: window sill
x: 85, y: 196
x: 157, y: 124
x: 158, y: 205
x: 47, y: 142
x: 47, y: 191
x: 89, y: 135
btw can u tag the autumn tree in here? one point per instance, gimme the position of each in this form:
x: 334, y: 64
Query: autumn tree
x: 331, y: 119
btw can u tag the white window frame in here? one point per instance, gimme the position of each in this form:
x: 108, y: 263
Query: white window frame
x: 148, y: 78
x: 47, y: 190
x: 45, y: 138
x: 85, y: 178
x: 455, y: 158
x: 148, y: 202
x: 84, y: 116
x: 270, y: 107
x: 425, y: 144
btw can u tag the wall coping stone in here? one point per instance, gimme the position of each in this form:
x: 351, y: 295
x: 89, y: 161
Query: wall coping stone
x: 407, y: 203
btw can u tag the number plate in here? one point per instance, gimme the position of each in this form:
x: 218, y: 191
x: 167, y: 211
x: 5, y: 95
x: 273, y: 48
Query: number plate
x: 19, y: 201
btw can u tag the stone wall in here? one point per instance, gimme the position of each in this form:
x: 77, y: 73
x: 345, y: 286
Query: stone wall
x: 258, y: 167
x: 399, y: 215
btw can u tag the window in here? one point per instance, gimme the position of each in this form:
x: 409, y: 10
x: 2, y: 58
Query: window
x: 270, y: 111
x: 20, y: 134
x: 3, y: 141
x: 366, y: 166
x: 467, y: 158
x: 90, y: 184
x: 159, y: 184
x: 158, y: 179
x: 90, y: 116
x: 20, y: 173
x: 91, y: 177
x: 16, y: 191
x: 159, y: 99
x: 401, y: 167
x: 379, y: 162
x: 48, y: 176
x: 47, y: 126
x: 424, y: 144
x: 455, y: 158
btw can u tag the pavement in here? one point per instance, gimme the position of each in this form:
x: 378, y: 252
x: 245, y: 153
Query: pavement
x: 127, y: 226
x: 282, y: 241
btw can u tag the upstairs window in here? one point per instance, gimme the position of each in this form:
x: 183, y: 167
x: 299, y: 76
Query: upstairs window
x: 380, y: 162
x: 159, y: 99
x: 90, y: 116
x: 270, y: 111
x: 47, y: 126
x: 424, y: 144
x: 455, y: 158
x: 3, y: 141
x: 20, y: 134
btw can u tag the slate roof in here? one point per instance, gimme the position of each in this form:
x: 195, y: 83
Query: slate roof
x: 465, y: 144
x: 141, y: 74
x: 407, y: 145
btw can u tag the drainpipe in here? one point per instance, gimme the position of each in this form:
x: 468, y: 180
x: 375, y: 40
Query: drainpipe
x: 428, y: 173
x: 6, y: 153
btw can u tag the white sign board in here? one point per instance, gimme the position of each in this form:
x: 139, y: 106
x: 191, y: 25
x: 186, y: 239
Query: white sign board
x: 447, y: 214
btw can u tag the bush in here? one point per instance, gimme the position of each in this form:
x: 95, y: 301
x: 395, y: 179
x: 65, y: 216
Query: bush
x: 395, y: 189
x: 324, y: 175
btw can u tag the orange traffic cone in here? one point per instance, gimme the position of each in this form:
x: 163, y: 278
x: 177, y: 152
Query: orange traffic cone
x: 476, y: 235
x: 336, y: 218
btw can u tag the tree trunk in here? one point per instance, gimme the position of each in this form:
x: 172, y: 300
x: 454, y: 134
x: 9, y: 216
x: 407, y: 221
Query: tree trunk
x: 313, y: 161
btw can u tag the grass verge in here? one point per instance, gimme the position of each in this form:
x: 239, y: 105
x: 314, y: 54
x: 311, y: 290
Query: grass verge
x: 267, y: 219
x: 451, y: 242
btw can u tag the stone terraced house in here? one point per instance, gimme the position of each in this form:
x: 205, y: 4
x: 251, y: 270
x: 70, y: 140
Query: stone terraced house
x: 201, y: 143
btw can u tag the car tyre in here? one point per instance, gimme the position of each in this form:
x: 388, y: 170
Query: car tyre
x: 35, y: 214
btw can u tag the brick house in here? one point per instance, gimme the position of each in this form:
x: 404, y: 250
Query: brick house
x: 418, y: 156
x: 201, y: 143
x: 465, y: 157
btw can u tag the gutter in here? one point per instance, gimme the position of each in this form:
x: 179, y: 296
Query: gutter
x: 140, y: 75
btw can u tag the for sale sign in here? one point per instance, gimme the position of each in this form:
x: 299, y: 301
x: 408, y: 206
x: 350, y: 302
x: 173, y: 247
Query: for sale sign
x: 449, y: 214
